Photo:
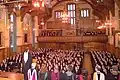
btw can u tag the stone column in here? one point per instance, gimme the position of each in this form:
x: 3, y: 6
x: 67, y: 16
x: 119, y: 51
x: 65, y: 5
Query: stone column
x: 36, y: 29
x: 33, y: 32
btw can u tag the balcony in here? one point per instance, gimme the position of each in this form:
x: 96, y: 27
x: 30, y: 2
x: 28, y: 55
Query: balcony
x: 73, y: 39
x: 77, y: 35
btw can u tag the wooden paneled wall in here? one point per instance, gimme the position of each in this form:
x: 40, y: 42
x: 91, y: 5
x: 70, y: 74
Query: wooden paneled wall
x: 113, y: 50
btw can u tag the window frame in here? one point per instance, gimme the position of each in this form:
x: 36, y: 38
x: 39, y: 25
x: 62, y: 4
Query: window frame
x: 84, y: 13
x: 74, y: 14
x: 61, y: 11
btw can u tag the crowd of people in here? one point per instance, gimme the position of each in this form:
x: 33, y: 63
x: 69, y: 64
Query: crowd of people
x: 60, y: 32
x: 51, y: 33
x: 67, y: 63
x: 93, y: 33
x: 110, y: 65
x: 11, y: 63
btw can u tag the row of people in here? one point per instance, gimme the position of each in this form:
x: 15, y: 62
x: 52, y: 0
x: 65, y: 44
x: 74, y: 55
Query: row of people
x: 51, y: 33
x: 49, y: 57
x: 9, y: 64
x: 59, y: 33
x: 61, y: 58
x: 108, y: 62
x: 56, y: 74
x: 93, y: 33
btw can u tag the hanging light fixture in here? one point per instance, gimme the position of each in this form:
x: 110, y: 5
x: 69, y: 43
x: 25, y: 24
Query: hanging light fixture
x: 64, y: 18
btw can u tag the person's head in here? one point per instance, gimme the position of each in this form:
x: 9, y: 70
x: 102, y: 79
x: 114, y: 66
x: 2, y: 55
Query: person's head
x: 33, y: 65
x: 84, y: 71
x: 44, y: 68
x: 56, y: 69
x: 69, y: 68
x: 97, y: 68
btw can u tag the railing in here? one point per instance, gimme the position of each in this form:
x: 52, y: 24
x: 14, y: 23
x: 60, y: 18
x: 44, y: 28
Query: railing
x: 89, y: 32
x: 72, y: 32
x: 50, y: 33
x: 73, y: 39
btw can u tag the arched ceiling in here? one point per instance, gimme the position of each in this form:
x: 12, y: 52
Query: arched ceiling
x: 100, y: 9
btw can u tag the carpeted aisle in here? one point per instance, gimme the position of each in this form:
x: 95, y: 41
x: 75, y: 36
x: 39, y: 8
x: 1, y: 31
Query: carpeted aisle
x: 87, y: 62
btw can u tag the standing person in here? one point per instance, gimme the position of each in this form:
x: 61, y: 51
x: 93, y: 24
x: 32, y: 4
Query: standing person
x: 26, y: 63
x: 43, y: 74
x: 98, y: 75
x: 70, y: 74
x: 55, y: 74
x: 109, y: 75
x: 32, y: 73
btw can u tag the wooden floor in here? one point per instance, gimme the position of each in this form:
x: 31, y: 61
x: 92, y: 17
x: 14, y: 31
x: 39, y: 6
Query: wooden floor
x: 10, y: 76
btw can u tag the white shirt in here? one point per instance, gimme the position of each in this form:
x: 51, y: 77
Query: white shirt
x: 25, y: 56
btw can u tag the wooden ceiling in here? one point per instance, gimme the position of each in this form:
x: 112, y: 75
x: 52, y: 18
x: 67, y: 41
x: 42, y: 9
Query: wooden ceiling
x: 100, y: 9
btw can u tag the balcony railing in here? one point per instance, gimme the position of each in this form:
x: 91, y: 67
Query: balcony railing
x: 74, y: 32
x: 50, y: 33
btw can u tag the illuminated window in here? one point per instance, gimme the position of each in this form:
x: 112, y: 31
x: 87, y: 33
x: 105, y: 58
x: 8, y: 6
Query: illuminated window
x: 11, y: 18
x: 25, y: 38
x: 58, y: 14
x: 98, y: 1
x: 71, y: 13
x: 11, y: 40
x: 84, y: 13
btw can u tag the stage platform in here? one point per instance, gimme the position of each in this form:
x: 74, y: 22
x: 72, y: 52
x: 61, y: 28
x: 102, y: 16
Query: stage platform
x: 10, y: 76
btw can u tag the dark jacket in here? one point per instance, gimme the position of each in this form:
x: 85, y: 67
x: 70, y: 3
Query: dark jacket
x: 110, y: 76
x: 26, y: 65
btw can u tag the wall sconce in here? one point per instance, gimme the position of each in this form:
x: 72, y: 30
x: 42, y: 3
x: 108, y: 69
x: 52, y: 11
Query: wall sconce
x: 25, y: 29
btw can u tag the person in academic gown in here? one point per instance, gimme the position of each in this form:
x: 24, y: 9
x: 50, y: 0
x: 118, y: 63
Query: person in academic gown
x: 55, y: 74
x: 32, y: 73
x: 26, y: 63
x: 98, y: 75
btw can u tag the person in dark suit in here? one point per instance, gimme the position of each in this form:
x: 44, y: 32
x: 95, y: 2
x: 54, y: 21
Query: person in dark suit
x: 63, y: 75
x: 26, y: 63
x: 109, y: 76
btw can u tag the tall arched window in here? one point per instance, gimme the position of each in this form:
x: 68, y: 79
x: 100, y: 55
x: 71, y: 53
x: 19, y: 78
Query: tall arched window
x: 71, y: 13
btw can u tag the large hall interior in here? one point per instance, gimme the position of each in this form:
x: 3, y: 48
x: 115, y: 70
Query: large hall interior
x: 73, y: 39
